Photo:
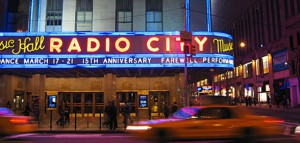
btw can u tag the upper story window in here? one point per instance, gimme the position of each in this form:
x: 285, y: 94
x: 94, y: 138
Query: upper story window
x: 54, y: 15
x: 265, y: 64
x: 247, y: 70
x: 124, y: 15
x: 154, y: 15
x: 84, y: 15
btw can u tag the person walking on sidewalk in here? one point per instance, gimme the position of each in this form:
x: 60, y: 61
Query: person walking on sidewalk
x: 67, y: 113
x: 113, y: 116
x: 269, y: 101
x: 60, y: 111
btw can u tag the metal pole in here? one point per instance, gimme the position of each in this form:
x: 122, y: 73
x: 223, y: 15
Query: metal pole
x: 185, y: 80
x: 50, y: 120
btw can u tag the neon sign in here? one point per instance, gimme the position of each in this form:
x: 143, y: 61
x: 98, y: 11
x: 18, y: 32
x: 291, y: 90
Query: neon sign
x: 109, y: 50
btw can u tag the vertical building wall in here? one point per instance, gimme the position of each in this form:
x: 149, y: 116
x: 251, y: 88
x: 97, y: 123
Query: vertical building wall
x: 68, y: 17
x: 3, y: 13
x: 139, y: 16
x: 173, y: 15
x: 42, y: 18
x: 104, y: 13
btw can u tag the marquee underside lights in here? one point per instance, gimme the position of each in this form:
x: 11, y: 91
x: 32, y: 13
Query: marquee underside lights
x: 113, y: 50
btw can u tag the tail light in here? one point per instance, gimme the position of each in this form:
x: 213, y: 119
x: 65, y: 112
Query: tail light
x: 19, y: 120
x: 274, y: 121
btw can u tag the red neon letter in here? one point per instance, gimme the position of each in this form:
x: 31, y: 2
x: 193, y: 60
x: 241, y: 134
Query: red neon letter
x: 74, y: 45
x: 55, y: 44
x: 107, y: 45
x: 89, y: 45
x: 152, y: 49
x: 200, y: 42
x: 117, y: 44
x: 181, y: 43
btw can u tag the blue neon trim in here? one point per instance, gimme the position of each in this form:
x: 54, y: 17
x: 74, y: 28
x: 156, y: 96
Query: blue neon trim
x: 208, y: 14
x: 187, y: 15
x: 39, y: 16
x: 174, y: 33
x: 31, y: 15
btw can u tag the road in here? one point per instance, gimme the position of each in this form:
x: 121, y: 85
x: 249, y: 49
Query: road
x: 109, y: 138
x: 291, y: 117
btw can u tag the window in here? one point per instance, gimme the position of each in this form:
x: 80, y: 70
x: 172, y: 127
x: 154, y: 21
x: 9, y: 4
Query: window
x: 84, y: 15
x: 154, y: 15
x: 291, y: 40
x: 298, y: 38
x: 237, y: 71
x: 124, y: 15
x: 247, y: 70
x: 214, y: 113
x: 257, y: 67
x: 265, y: 64
x: 54, y: 15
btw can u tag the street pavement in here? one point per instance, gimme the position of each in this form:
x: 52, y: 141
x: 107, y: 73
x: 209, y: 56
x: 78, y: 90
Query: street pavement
x: 293, y: 115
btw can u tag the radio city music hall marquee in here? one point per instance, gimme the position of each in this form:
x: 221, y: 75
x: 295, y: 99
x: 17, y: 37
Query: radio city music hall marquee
x: 113, y: 50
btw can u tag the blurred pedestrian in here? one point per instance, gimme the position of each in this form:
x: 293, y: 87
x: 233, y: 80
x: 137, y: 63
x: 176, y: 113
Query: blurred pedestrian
x: 8, y: 105
x: 60, y: 111
x: 113, y: 116
x: 166, y: 110
x: 107, y: 113
x: 174, y: 108
x: 126, y: 113
x: 27, y: 110
x: 67, y: 113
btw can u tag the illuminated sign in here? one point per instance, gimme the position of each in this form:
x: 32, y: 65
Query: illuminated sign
x: 109, y: 50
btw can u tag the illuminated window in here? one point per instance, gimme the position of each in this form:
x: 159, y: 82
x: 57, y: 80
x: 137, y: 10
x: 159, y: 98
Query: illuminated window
x: 154, y: 15
x: 247, y: 70
x: 230, y: 74
x: 54, y: 15
x: 19, y: 99
x: 265, y: 64
x: 124, y: 15
x: 84, y: 15
x: 257, y: 67
x: 215, y: 78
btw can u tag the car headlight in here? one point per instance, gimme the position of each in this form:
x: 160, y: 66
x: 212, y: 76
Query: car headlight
x: 297, y: 130
x: 138, y: 128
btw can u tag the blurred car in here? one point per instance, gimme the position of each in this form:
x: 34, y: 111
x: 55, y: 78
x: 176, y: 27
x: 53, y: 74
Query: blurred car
x: 14, y: 124
x: 297, y: 133
x: 208, y: 122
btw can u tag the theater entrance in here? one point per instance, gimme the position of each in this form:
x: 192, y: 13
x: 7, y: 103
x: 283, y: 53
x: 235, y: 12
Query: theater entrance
x: 157, y: 101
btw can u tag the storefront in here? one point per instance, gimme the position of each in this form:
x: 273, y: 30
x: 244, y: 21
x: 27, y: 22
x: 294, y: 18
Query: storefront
x: 87, y: 96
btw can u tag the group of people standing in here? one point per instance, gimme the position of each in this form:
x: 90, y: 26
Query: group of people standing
x: 64, y: 114
x: 111, y: 114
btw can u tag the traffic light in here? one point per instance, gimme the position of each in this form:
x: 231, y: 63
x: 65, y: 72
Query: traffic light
x: 193, y: 50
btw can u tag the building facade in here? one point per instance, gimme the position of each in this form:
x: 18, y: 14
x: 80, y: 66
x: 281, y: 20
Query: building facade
x: 87, y: 95
x: 267, y: 64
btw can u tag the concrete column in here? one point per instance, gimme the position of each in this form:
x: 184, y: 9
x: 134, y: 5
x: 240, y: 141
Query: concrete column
x: 109, y: 87
x: 38, y: 89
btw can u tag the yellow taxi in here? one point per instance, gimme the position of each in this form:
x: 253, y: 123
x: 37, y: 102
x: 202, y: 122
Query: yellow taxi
x: 208, y: 122
x: 14, y: 124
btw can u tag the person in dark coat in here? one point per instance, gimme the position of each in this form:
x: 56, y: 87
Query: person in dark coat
x: 60, y: 111
x: 113, y: 116
x: 27, y: 110
x: 174, y: 107
x: 67, y: 113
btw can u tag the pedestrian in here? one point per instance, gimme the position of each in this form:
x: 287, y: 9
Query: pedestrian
x: 126, y: 113
x: 166, y: 111
x: 107, y: 113
x: 284, y: 101
x: 27, y: 110
x: 174, y: 108
x: 8, y: 105
x: 60, y: 111
x: 269, y: 101
x: 113, y: 116
x: 67, y: 113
